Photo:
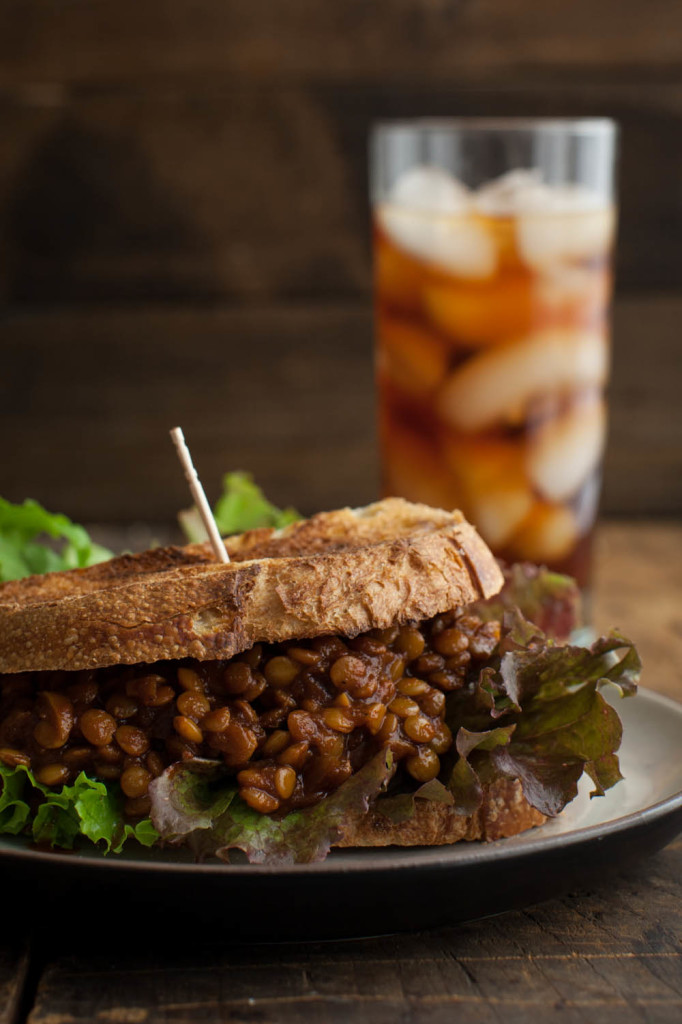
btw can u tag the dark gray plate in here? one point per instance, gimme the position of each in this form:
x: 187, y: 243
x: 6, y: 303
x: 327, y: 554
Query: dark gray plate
x: 362, y: 892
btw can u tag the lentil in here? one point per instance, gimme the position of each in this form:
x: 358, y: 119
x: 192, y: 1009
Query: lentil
x: 255, y: 688
x: 403, y: 707
x: 432, y: 702
x: 121, y: 706
x: 163, y: 695
x: 411, y: 687
x: 295, y: 755
x: 53, y: 775
x: 132, y: 741
x: 450, y: 641
x: 442, y: 740
x: 285, y: 781
x: 237, y: 677
x: 192, y: 704
x: 12, y: 758
x: 155, y: 765
x: 216, y: 721
x: 188, y: 729
x: 97, y: 727
x: 276, y: 742
x: 423, y: 766
x: 239, y: 743
x: 259, y: 800
x: 281, y: 671
x: 135, y: 781
x: 292, y: 722
x: 338, y: 719
x: 374, y: 718
x: 109, y: 754
x: 77, y: 758
x: 428, y: 663
x: 411, y: 642
x: 190, y: 680
x: 253, y: 656
x: 419, y: 728
x: 84, y: 692
x: 273, y: 719
x: 303, y: 655
x: 56, y: 712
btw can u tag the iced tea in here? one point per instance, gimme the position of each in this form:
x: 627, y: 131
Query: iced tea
x: 493, y: 354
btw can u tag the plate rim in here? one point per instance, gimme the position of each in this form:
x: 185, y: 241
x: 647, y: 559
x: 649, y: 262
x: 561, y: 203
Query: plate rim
x: 392, y: 858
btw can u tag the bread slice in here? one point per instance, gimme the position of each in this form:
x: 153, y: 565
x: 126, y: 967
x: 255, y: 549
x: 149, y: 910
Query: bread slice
x: 504, y: 812
x: 341, y: 572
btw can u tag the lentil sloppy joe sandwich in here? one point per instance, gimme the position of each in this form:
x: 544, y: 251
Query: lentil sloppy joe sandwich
x: 362, y: 678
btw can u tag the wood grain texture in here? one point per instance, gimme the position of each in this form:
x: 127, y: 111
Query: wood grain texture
x: 611, y: 954
x: 253, y: 192
x: 638, y: 589
x: 241, y: 193
x: 604, y: 954
x: 87, y: 397
x: 14, y: 966
x: 80, y: 41
x: 285, y: 393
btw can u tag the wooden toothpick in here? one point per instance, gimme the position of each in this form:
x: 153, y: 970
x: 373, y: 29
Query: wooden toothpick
x: 198, y: 495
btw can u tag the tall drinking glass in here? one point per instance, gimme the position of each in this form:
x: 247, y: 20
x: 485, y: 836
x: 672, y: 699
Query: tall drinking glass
x: 493, y: 243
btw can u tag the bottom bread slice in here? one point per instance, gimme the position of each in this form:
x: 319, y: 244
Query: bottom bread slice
x: 503, y: 812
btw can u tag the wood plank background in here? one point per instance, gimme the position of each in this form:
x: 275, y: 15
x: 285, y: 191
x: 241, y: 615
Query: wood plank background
x: 184, y: 229
x: 595, y: 955
x: 285, y: 391
x: 606, y: 953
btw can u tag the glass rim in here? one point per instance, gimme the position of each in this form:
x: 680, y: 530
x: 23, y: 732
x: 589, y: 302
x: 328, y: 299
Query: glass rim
x: 560, y: 125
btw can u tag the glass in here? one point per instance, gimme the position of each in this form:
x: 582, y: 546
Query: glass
x: 493, y: 243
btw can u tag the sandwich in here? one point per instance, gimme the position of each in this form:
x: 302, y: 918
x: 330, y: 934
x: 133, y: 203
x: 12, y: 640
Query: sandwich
x: 365, y: 677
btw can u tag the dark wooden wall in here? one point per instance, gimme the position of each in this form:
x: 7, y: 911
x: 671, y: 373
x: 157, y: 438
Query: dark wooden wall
x: 184, y: 229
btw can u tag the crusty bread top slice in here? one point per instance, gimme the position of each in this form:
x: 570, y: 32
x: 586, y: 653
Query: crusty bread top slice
x: 340, y: 572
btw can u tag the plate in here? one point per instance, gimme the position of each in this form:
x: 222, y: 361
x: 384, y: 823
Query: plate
x: 367, y: 892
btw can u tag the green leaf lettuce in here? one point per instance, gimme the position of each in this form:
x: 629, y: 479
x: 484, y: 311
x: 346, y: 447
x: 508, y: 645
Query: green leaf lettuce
x: 539, y: 716
x: 242, y: 506
x: 23, y: 554
x: 57, y: 817
x: 193, y: 801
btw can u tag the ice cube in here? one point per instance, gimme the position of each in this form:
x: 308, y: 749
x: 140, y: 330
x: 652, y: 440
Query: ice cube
x: 554, y: 222
x: 476, y: 315
x: 415, y: 470
x: 548, y: 534
x: 524, y: 191
x: 498, y: 513
x: 512, y: 192
x: 457, y: 243
x: 564, y: 451
x: 430, y: 190
x: 497, y: 496
x: 497, y: 385
x: 413, y: 358
x: 399, y: 279
x: 547, y: 238
x: 573, y: 294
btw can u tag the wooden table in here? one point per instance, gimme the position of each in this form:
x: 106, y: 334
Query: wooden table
x: 608, y: 953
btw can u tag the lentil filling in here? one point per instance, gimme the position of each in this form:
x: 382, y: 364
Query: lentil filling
x: 291, y: 721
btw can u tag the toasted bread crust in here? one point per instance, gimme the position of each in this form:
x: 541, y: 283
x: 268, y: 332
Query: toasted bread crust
x: 340, y: 572
x: 504, y: 812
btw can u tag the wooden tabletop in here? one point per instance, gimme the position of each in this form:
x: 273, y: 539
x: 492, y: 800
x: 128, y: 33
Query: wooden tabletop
x: 608, y: 953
